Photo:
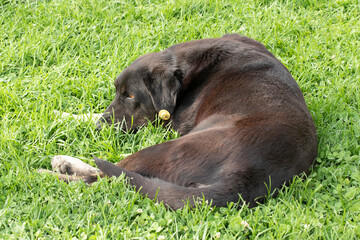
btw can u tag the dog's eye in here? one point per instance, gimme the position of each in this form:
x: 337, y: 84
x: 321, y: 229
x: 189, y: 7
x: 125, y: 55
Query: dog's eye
x: 130, y: 96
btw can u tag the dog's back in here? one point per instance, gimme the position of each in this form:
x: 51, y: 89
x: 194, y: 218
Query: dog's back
x: 246, y: 95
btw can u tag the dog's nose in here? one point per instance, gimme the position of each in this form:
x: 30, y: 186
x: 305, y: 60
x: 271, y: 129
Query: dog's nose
x: 98, y: 126
x: 100, y: 123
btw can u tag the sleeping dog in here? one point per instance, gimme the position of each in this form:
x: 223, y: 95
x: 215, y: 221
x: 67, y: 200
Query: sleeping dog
x: 244, y: 123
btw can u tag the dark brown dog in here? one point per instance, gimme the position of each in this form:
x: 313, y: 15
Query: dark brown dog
x: 244, y: 121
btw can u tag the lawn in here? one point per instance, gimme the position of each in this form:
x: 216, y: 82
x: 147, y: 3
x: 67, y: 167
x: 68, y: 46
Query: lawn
x: 64, y: 55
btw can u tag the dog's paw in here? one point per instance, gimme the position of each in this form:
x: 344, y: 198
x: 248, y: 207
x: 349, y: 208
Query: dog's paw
x: 72, y: 166
x: 42, y: 171
x: 82, y: 117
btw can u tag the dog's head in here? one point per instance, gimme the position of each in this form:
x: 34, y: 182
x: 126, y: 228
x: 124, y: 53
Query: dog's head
x: 150, y: 84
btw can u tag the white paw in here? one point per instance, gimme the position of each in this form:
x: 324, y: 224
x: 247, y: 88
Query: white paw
x: 70, y: 165
x: 82, y: 117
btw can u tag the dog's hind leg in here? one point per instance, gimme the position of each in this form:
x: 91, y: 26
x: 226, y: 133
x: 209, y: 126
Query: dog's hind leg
x: 72, y: 166
x: 70, y: 169
x: 62, y: 177
x: 172, y: 195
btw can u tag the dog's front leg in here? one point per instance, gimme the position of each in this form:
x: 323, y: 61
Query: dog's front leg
x: 81, y: 117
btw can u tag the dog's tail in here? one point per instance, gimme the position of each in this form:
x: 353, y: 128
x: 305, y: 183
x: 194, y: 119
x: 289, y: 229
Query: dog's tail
x: 170, y: 194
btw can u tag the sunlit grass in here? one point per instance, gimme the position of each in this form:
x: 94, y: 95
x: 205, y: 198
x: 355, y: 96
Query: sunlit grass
x: 63, y: 55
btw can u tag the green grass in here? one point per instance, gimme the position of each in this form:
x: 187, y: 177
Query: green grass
x: 63, y: 55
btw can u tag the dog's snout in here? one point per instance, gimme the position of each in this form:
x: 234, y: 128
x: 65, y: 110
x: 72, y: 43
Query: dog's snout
x: 102, y: 120
x: 98, y: 126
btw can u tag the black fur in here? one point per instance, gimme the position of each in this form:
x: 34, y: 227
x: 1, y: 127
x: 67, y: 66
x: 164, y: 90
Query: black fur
x: 244, y: 123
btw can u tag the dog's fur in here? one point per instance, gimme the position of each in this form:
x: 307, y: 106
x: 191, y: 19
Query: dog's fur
x: 244, y: 121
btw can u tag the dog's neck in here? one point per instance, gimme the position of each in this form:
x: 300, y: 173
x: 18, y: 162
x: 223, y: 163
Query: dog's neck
x: 194, y: 66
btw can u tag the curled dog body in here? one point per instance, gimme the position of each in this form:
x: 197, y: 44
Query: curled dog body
x: 243, y: 120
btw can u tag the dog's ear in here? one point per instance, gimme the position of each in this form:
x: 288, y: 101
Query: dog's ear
x: 164, y: 88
